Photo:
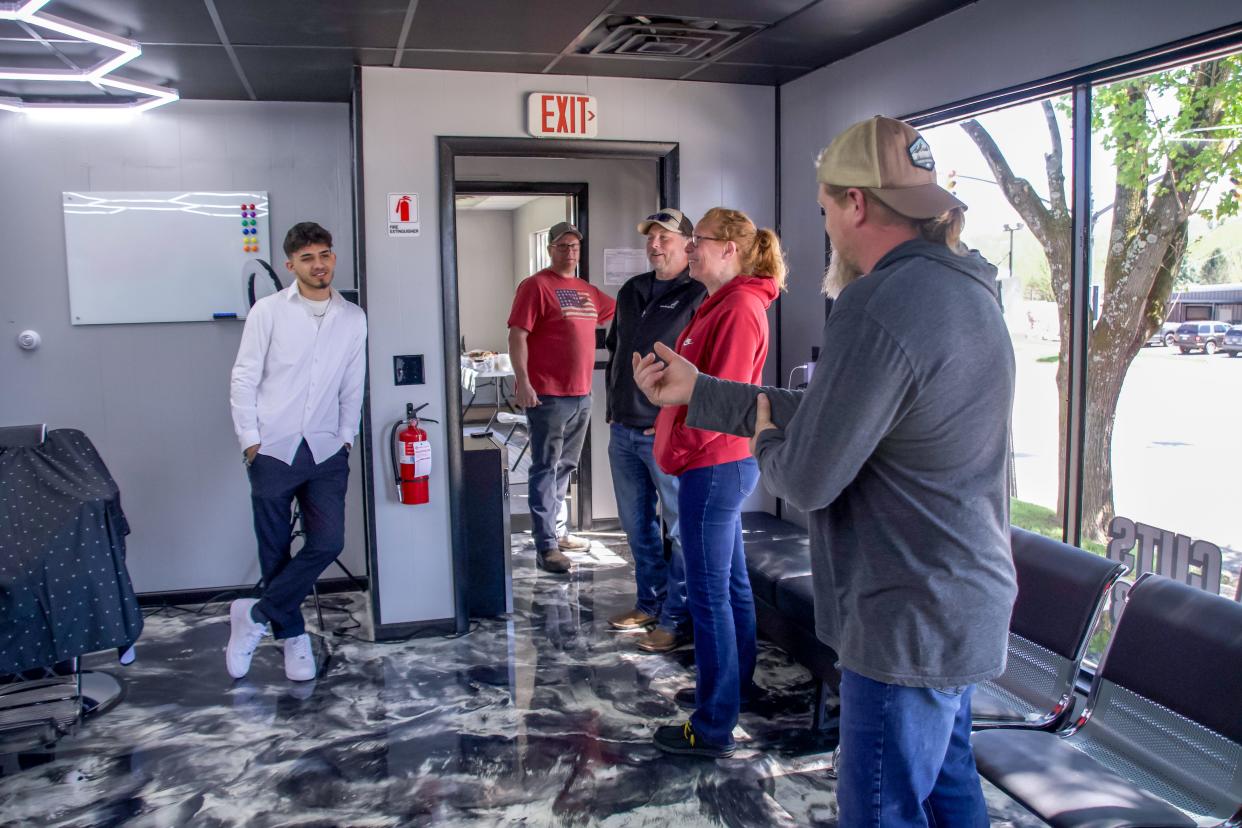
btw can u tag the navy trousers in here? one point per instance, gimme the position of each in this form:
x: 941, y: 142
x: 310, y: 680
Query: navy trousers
x: 320, y: 491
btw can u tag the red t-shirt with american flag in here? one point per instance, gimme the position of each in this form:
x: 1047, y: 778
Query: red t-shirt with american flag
x: 561, y: 315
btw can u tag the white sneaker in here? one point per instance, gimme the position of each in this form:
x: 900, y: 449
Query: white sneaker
x: 244, y: 636
x: 299, y: 658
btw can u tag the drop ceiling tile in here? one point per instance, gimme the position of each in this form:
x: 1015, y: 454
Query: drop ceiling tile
x: 501, y: 25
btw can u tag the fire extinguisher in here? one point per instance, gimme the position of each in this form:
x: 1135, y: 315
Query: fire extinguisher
x: 411, y: 456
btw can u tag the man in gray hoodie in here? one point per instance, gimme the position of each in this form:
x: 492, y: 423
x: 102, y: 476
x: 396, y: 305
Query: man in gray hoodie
x: 898, y: 452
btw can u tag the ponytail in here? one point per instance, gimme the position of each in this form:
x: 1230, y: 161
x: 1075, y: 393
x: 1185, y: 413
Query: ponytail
x: 761, y: 249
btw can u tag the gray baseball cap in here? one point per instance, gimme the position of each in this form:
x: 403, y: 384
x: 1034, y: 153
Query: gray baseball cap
x: 561, y: 228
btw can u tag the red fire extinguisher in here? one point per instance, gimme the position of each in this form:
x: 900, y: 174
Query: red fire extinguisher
x: 411, y: 456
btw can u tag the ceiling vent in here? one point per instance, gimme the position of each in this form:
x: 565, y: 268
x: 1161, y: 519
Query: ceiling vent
x: 664, y: 38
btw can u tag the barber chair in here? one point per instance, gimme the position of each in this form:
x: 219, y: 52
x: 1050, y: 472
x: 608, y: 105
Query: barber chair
x: 73, y: 506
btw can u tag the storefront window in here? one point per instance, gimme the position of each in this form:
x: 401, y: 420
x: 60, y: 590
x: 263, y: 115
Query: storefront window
x: 1164, y: 397
x: 1012, y: 168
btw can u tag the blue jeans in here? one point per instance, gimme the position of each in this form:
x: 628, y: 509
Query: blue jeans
x: 320, y: 490
x: 906, y: 758
x: 637, y: 481
x: 722, y: 606
x: 558, y: 428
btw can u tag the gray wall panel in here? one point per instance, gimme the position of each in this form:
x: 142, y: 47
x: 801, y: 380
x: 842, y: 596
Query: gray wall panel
x: 154, y: 397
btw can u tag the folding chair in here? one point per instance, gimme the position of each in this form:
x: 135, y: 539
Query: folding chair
x: 1061, y: 592
x: 1160, y: 738
x: 515, y: 420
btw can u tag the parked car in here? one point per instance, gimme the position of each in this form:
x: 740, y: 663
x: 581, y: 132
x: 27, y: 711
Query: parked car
x: 1201, y: 336
x: 1233, y: 341
x: 1165, y: 335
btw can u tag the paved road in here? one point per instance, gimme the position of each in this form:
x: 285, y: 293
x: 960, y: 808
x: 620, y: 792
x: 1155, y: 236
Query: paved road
x: 1177, y: 442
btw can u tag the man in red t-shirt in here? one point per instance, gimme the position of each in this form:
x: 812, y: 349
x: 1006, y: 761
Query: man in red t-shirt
x: 552, y: 344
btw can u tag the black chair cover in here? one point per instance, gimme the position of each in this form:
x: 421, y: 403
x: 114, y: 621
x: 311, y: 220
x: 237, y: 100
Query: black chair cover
x: 64, y: 587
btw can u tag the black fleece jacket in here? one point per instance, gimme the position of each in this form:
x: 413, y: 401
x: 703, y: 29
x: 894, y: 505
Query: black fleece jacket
x: 638, y: 325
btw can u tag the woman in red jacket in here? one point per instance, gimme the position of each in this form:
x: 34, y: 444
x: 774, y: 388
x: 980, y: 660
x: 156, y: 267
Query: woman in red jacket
x: 743, y: 269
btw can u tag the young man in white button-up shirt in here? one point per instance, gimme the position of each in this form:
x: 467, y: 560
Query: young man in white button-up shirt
x: 296, y: 396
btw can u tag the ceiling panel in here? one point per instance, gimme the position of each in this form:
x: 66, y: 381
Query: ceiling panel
x: 749, y: 73
x: 768, y: 11
x: 475, y: 61
x: 617, y: 67
x: 830, y: 31
x: 194, y: 71
x: 28, y: 54
x: 369, y: 24
x: 291, y: 74
x: 147, y: 21
x: 501, y: 25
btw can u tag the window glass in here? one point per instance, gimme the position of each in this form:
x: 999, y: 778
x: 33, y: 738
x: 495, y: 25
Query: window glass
x: 1024, y: 150
x: 1166, y: 245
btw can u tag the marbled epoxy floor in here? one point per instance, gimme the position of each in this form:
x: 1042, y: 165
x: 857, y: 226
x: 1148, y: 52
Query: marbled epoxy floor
x: 543, y: 719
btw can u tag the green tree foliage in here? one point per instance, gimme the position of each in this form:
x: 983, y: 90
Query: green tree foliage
x: 1171, y: 135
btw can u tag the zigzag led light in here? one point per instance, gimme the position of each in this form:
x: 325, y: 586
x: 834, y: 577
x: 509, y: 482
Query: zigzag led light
x: 98, y: 75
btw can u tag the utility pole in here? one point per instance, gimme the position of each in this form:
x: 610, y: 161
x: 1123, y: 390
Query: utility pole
x: 1010, y: 230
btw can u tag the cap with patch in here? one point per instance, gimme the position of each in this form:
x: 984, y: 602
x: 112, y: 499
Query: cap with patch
x: 670, y: 218
x: 561, y: 228
x: 889, y: 159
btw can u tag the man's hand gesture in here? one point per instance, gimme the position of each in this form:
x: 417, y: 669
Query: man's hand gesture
x: 666, y: 377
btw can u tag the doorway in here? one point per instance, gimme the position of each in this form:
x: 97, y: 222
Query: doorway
x: 502, y: 231
x: 613, y: 225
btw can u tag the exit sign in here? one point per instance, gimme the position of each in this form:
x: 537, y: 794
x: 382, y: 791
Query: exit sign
x: 561, y: 115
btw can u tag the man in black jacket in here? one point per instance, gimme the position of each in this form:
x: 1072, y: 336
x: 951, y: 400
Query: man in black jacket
x: 651, y: 307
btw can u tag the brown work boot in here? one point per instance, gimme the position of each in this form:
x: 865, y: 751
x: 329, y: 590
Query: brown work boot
x: 661, y: 640
x: 552, y: 560
x: 573, y: 543
x: 632, y: 620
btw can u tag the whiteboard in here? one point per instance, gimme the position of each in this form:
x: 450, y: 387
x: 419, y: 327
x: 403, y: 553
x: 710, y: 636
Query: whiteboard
x: 162, y: 256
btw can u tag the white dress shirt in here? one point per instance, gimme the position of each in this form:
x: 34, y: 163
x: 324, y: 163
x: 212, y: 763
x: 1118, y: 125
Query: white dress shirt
x: 296, y: 380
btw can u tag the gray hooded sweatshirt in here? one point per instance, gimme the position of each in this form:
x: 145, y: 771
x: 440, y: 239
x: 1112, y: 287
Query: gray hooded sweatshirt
x: 898, y: 450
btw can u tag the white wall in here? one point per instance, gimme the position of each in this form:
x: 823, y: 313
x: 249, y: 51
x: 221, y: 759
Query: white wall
x: 981, y: 48
x: 154, y: 397
x: 485, y: 273
x: 727, y: 145
x: 539, y: 214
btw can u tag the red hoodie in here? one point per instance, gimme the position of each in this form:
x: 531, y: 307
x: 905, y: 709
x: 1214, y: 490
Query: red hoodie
x: 727, y: 338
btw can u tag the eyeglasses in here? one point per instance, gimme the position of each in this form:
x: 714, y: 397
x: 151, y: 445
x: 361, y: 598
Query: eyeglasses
x: 698, y: 240
x: 567, y: 246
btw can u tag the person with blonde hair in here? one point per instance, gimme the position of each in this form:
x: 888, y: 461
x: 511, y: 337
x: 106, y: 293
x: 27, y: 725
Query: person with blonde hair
x: 743, y: 269
x: 898, y: 452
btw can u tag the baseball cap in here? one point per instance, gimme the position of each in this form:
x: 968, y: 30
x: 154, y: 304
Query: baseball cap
x: 890, y: 160
x: 670, y: 218
x: 561, y: 228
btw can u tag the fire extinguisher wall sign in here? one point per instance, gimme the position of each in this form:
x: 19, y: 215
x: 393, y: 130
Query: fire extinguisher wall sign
x: 403, y: 215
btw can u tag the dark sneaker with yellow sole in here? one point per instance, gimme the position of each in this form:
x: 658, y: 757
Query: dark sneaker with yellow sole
x: 682, y: 740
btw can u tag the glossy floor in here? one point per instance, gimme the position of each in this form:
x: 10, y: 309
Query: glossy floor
x: 540, y: 719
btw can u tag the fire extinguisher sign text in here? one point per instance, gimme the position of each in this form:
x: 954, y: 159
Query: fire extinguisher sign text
x: 422, y: 457
x: 403, y: 215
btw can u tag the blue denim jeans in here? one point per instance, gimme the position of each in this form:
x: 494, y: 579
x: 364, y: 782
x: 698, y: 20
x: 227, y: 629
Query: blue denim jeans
x: 638, y: 483
x: 558, y: 428
x: 722, y: 606
x: 320, y: 490
x: 906, y: 758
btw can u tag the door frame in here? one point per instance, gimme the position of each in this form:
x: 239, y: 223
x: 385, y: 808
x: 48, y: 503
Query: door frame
x: 449, y: 148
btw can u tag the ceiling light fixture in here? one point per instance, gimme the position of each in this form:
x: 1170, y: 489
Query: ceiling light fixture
x: 99, y: 75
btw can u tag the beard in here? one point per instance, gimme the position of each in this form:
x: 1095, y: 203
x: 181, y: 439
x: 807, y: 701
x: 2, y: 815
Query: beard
x: 839, y: 275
